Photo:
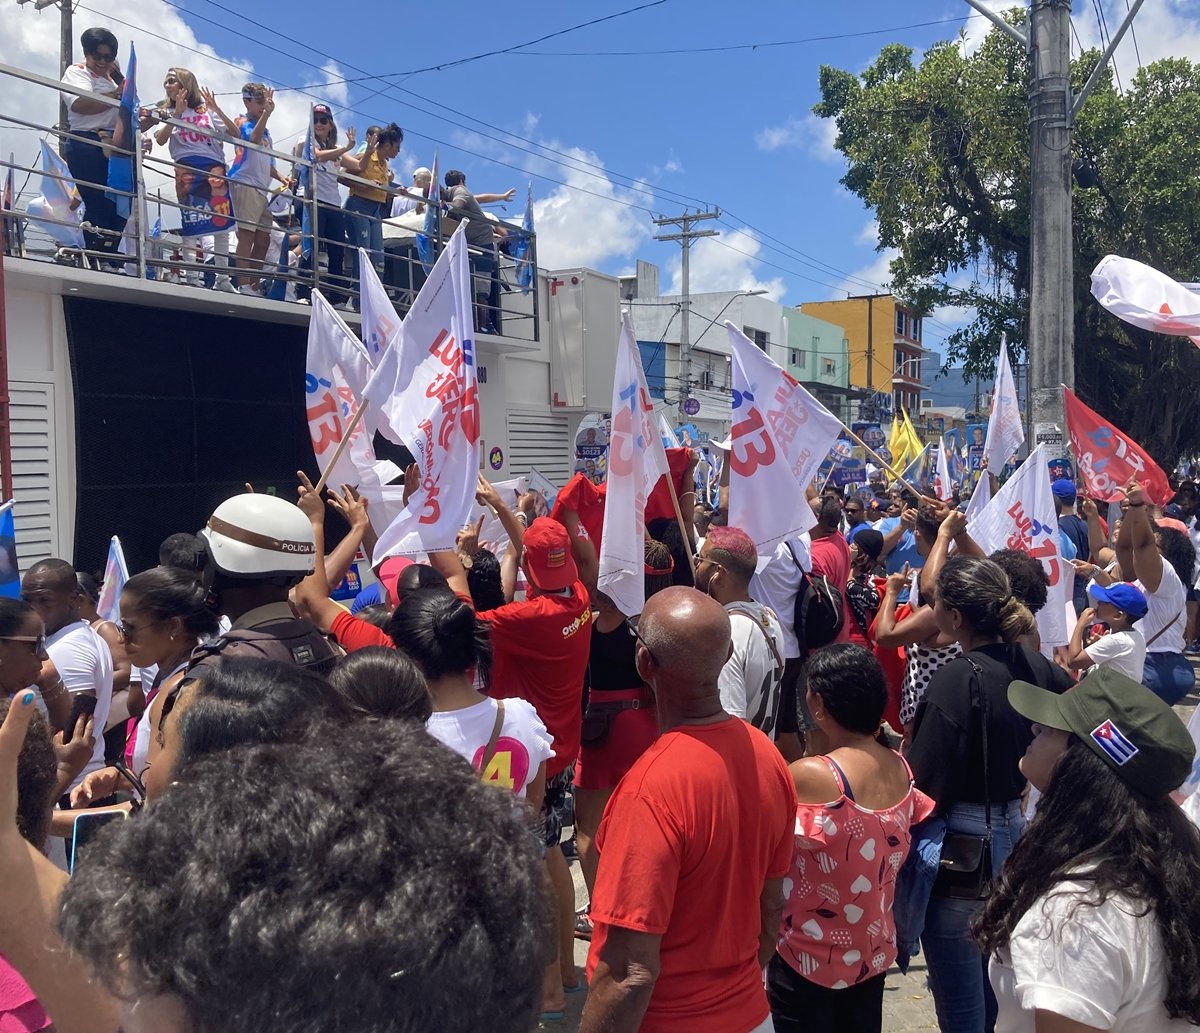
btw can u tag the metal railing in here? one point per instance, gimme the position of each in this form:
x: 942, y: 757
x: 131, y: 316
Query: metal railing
x: 201, y: 262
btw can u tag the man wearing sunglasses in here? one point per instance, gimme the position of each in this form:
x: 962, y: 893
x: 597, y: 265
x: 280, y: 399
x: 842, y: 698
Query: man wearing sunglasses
x: 80, y: 656
x: 92, y: 121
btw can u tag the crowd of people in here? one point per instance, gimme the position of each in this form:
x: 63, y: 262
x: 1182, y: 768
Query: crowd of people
x: 349, y: 189
x: 781, y: 780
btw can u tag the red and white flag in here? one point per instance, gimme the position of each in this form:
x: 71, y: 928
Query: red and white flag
x: 1004, y: 431
x: 636, y: 460
x: 1022, y: 515
x: 336, y: 372
x: 1107, y: 458
x: 1141, y: 295
x: 780, y: 435
x: 425, y: 394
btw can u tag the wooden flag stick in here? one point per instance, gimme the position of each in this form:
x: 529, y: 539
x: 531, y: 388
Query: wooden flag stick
x: 887, y: 466
x: 683, y: 527
x: 350, y: 429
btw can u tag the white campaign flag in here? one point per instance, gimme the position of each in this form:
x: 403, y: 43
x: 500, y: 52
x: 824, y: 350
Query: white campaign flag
x: 425, y: 393
x: 945, y: 487
x: 335, y: 373
x: 1022, y: 515
x: 1004, y: 432
x: 1141, y: 295
x: 636, y: 460
x: 779, y: 436
x: 980, y: 497
x: 380, y: 323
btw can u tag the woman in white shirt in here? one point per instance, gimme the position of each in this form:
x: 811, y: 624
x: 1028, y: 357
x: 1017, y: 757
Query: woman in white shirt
x: 1094, y: 922
x: 1160, y: 561
x: 201, y: 176
x: 91, y: 122
x: 331, y: 219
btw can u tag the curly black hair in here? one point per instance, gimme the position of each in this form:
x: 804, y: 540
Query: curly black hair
x: 37, y: 779
x: 1176, y: 548
x: 1093, y: 827
x: 347, y: 882
x: 1028, y: 578
x: 484, y: 581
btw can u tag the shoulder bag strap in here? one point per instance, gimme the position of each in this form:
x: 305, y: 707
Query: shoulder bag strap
x: 976, y: 689
x: 1163, y: 630
x: 490, y: 751
x: 779, y: 664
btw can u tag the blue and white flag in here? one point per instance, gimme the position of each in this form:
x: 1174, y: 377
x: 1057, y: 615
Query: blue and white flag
x: 427, y: 238
x: 121, y: 178
x: 306, y: 190
x: 59, y: 210
x: 523, y: 249
x: 116, y: 573
x: 10, y: 576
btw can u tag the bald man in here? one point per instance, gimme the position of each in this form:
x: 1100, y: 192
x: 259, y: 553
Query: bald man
x: 693, y: 847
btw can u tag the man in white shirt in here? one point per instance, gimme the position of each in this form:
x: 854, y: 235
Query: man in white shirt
x: 751, y: 679
x: 80, y: 656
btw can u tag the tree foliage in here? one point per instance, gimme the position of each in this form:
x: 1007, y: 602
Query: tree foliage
x: 940, y: 151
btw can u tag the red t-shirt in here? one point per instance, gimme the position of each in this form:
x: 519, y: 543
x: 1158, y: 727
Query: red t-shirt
x: 690, y: 835
x: 831, y: 557
x: 539, y: 653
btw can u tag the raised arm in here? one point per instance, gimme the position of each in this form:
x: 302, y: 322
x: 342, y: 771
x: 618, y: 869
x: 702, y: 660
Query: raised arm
x: 583, y: 550
x: 1096, y: 539
x: 1145, y: 561
x: 310, y: 598
x: 260, y: 127
x: 210, y: 102
x: 508, y: 195
x: 353, y: 508
x: 908, y: 520
x: 357, y: 164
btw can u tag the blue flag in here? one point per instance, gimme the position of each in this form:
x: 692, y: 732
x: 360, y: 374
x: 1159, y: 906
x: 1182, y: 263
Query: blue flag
x: 10, y: 577
x: 427, y: 238
x: 523, y: 249
x: 125, y: 137
x: 303, y: 175
x: 919, y: 473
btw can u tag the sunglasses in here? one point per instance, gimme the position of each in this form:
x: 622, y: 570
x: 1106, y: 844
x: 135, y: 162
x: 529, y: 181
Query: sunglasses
x: 170, y: 80
x: 39, y: 642
x: 632, y: 624
x: 131, y: 632
x: 252, y: 96
x: 322, y: 120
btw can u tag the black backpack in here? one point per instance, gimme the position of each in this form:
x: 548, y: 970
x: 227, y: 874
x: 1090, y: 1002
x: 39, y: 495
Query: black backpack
x: 818, y: 616
x: 296, y: 642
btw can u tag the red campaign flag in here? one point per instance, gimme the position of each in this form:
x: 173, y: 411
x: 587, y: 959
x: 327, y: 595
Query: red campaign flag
x: 587, y: 499
x: 1108, y: 459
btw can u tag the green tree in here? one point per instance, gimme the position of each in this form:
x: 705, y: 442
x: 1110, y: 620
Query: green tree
x: 940, y: 151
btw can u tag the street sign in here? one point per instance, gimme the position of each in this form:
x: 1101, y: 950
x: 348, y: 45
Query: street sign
x: 691, y: 406
x: 1050, y: 435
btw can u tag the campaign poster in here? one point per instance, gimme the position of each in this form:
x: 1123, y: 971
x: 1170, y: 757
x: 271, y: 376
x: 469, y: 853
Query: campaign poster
x: 976, y: 435
x: 1061, y: 469
x: 204, y: 192
x: 591, y: 448
x: 872, y: 435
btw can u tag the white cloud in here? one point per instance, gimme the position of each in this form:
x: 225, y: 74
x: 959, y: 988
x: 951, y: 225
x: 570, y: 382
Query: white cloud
x: 869, y: 234
x: 30, y: 41
x: 975, y: 29
x: 726, y: 263
x: 816, y: 136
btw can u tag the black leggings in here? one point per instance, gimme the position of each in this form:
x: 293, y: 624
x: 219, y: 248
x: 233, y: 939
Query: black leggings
x: 87, y: 162
x: 798, y: 1006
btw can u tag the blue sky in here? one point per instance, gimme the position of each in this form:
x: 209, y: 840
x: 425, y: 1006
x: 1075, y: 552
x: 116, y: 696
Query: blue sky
x: 607, y: 140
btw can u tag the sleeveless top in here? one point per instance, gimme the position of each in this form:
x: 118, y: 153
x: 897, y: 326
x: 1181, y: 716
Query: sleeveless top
x: 611, y: 662
x: 837, y: 927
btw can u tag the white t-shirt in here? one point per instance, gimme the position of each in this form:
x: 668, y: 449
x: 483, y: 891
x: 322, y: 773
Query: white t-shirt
x: 1123, y: 651
x: 84, y: 663
x: 402, y: 205
x: 1194, y: 535
x: 79, y: 77
x: 1099, y: 966
x: 1163, y: 607
x: 749, y: 682
x: 520, y: 750
x: 192, y: 143
x: 777, y: 583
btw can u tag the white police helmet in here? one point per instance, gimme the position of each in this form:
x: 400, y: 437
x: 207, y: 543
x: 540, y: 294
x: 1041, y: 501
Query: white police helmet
x: 258, y: 537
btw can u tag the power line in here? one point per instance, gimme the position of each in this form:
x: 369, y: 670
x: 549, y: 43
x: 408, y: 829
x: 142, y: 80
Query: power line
x: 1133, y: 33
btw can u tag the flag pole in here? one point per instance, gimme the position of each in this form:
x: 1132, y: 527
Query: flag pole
x: 886, y: 465
x: 683, y: 530
x: 351, y: 427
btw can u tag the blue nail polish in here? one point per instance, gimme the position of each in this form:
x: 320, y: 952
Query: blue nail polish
x: 27, y: 698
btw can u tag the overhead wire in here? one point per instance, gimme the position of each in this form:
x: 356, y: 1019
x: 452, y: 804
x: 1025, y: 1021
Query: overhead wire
x: 1133, y: 32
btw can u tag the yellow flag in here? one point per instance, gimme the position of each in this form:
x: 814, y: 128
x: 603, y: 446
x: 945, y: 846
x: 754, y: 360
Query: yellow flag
x: 915, y: 445
x: 896, y: 442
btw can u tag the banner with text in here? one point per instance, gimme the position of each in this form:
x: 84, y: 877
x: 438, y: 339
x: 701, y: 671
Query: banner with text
x: 1107, y: 458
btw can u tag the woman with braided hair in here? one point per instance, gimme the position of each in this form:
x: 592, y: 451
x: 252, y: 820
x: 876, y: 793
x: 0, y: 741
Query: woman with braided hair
x: 619, y: 723
x: 967, y: 744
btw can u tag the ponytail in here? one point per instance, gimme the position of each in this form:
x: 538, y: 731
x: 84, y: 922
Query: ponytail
x: 980, y: 590
x: 441, y: 633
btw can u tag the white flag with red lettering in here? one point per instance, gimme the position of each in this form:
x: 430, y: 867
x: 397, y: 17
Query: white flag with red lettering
x: 336, y: 371
x: 636, y: 460
x: 1004, y: 431
x: 1141, y: 295
x: 1022, y: 515
x: 779, y: 436
x: 425, y: 394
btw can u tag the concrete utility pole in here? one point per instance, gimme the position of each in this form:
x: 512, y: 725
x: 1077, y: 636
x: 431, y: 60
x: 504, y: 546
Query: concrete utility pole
x: 66, y: 45
x: 1051, y: 338
x: 685, y: 236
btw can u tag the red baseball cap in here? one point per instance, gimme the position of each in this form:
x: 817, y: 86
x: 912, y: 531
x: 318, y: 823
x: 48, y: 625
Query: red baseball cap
x: 551, y: 567
x: 389, y: 574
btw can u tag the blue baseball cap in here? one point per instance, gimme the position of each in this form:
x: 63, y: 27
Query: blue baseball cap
x: 1063, y: 489
x: 1124, y: 596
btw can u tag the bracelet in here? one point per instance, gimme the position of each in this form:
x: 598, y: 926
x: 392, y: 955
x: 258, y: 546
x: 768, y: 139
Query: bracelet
x: 55, y: 690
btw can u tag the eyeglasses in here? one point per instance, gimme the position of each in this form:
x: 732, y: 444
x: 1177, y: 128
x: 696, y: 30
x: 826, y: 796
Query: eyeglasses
x: 252, y: 96
x: 39, y: 642
x: 105, y: 56
x: 321, y: 120
x: 632, y: 624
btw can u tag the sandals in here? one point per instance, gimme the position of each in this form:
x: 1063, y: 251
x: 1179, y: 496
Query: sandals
x: 583, y: 925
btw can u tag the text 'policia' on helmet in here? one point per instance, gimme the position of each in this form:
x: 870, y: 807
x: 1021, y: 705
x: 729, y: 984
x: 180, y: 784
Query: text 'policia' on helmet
x: 258, y: 537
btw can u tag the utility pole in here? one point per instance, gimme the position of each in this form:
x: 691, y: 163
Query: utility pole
x: 66, y: 45
x: 685, y: 236
x: 1050, y: 343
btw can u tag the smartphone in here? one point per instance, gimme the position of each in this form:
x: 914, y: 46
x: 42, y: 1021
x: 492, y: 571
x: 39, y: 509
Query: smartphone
x: 81, y: 704
x: 87, y: 824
